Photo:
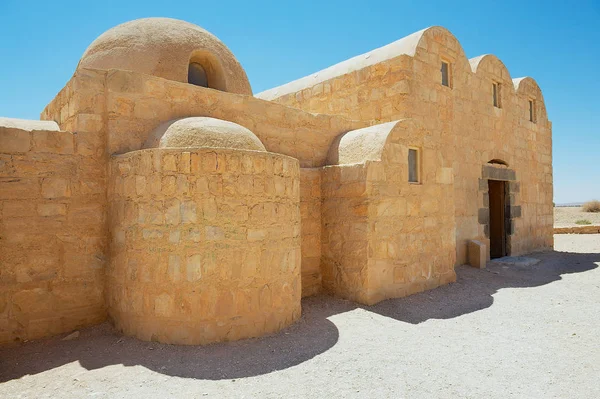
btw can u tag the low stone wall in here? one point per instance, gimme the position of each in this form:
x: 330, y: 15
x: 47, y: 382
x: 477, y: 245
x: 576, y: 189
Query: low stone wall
x: 577, y: 230
x: 53, y: 237
x: 205, y: 244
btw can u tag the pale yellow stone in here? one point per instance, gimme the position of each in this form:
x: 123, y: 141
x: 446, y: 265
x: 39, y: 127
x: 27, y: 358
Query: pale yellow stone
x: 52, y: 209
x: 55, y: 187
x: 217, y: 235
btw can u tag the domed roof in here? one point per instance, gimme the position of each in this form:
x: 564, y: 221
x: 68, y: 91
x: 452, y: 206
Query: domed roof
x: 166, y: 47
x: 202, y: 132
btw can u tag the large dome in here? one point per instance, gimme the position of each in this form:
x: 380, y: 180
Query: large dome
x: 202, y: 132
x: 170, y: 49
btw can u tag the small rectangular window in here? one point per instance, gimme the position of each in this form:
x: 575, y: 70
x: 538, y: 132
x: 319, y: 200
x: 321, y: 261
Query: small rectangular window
x: 413, y: 165
x: 496, y: 94
x: 445, y: 73
x: 532, y: 111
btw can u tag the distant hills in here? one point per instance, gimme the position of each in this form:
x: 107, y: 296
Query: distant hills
x: 569, y: 204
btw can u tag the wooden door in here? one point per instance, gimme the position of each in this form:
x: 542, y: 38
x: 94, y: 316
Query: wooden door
x: 497, y: 219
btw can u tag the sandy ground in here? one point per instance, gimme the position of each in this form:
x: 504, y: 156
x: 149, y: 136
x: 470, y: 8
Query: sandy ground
x: 502, y: 332
x: 566, y: 216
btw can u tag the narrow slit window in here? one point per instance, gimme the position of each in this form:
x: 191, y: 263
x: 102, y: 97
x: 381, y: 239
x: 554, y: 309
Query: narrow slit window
x: 445, y: 73
x: 413, y: 165
x: 532, y: 111
x: 496, y: 94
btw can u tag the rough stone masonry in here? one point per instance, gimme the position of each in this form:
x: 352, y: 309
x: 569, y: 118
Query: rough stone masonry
x: 159, y: 193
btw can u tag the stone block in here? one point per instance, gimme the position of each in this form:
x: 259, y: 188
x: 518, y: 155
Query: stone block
x: 174, y: 237
x: 13, y: 209
x: 477, y: 254
x: 169, y: 185
x: 172, y: 212
x: 35, y: 300
x: 194, y: 268
x: 169, y: 162
x: 214, y: 233
x: 163, y: 305
x: 174, y: 269
x: 18, y: 188
x: 118, y: 81
x: 483, y: 185
x: 53, y: 142
x: 52, y: 209
x: 89, y: 123
x: 140, y: 185
x: 55, y: 187
x: 256, y: 234
x: 14, y: 141
x: 515, y: 211
x: 151, y: 234
x: 188, y: 212
x: 483, y: 216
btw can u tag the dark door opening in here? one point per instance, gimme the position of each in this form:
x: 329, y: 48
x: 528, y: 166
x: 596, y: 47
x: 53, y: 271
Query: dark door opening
x: 497, y: 219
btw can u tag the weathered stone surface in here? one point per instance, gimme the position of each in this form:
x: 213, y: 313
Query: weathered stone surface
x: 461, y: 117
x: 207, y: 260
x: 55, y: 187
x: 205, y: 245
x: 477, y: 254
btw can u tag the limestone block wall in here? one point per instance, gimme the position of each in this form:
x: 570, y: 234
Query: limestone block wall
x: 376, y: 92
x: 384, y: 237
x: 310, y: 212
x: 345, y: 242
x: 136, y: 104
x: 81, y: 107
x: 410, y: 225
x: 404, y: 81
x: 478, y: 132
x: 53, y: 237
x: 205, y: 244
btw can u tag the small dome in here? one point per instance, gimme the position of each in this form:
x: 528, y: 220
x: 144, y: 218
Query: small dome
x: 201, y: 132
x: 170, y: 49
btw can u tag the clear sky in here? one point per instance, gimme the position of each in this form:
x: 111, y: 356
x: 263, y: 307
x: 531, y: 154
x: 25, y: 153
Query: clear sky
x: 555, y: 42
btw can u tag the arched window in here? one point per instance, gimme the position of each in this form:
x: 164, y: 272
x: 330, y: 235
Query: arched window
x: 197, y: 75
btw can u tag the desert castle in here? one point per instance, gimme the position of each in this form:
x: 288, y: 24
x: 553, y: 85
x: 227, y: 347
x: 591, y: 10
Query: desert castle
x: 158, y: 192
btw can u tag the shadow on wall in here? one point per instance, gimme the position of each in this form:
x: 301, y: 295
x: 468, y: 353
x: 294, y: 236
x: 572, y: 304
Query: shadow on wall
x: 314, y: 334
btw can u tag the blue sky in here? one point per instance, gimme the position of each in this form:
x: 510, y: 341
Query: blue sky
x: 555, y: 42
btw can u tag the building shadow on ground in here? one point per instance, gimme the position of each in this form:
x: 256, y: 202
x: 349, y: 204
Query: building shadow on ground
x: 474, y: 288
x: 102, y: 346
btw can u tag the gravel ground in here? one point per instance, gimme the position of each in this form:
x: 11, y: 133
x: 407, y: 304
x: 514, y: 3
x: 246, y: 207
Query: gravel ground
x: 566, y: 216
x: 503, y: 332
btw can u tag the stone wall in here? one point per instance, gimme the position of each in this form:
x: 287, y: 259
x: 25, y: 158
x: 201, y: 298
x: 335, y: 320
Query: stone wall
x: 137, y: 104
x: 310, y: 211
x: 345, y: 225
x: 53, y: 246
x: 462, y: 117
x: 134, y: 105
x: 205, y: 244
x: 410, y: 225
x: 384, y: 237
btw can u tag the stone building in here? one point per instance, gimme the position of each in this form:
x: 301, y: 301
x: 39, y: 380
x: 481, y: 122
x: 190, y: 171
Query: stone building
x: 159, y: 193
